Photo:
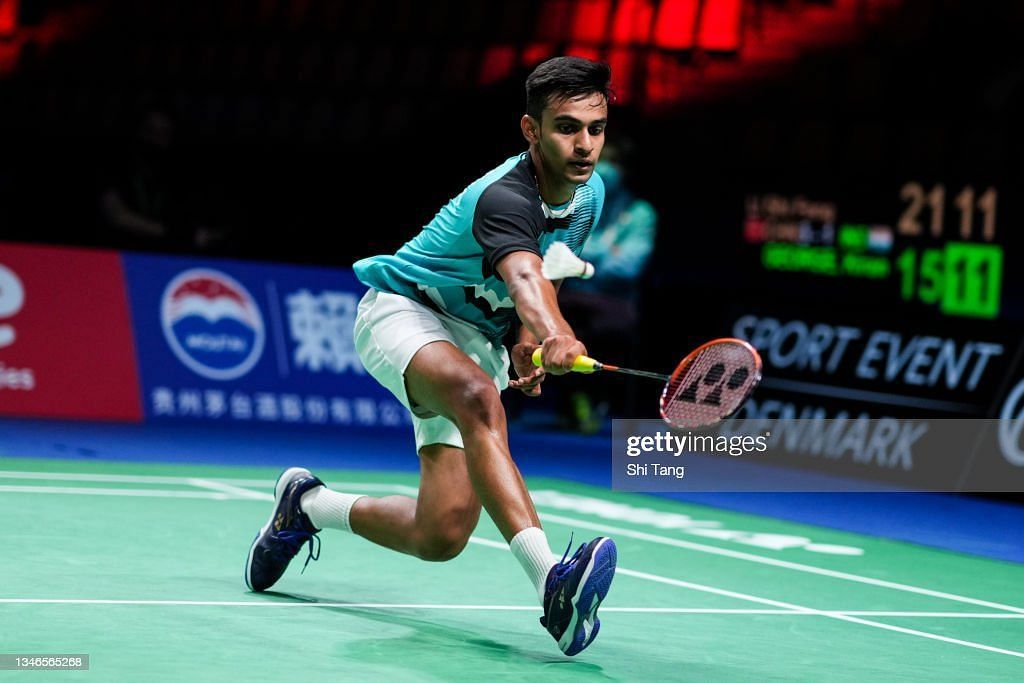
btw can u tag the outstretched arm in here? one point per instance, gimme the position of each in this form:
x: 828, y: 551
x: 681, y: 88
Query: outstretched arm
x: 529, y: 376
x: 536, y: 301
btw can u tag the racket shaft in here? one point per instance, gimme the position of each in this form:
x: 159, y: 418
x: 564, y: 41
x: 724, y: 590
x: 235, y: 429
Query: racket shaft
x: 637, y: 373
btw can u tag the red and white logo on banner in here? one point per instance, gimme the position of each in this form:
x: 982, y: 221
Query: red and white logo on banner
x: 66, y: 347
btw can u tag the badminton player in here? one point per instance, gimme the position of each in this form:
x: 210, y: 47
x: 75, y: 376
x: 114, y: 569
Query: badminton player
x: 430, y: 330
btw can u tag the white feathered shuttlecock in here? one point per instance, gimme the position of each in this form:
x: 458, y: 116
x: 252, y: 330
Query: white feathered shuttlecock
x: 560, y: 262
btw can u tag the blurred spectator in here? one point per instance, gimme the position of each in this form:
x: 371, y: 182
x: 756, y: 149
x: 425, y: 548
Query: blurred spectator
x: 147, y: 200
x: 604, y: 310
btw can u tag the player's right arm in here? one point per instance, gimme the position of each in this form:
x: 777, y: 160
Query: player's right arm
x: 536, y: 303
x: 507, y: 225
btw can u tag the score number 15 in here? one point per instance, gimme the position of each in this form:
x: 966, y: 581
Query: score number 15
x: 964, y: 278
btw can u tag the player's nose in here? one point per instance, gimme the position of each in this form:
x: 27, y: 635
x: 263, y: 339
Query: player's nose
x: 584, y: 144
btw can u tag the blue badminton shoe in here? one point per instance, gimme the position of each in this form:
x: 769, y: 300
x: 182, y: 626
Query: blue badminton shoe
x: 284, y: 533
x: 574, y: 590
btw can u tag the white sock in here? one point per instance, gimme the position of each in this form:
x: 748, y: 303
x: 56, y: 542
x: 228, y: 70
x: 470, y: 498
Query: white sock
x: 328, y: 509
x: 530, y: 547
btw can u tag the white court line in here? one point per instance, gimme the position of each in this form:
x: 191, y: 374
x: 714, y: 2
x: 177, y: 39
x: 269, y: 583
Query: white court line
x: 785, y: 564
x: 154, y: 479
x: 931, y: 615
x: 110, y: 478
x: 96, y: 491
x: 497, y: 608
x: 752, y: 598
x: 792, y: 607
x: 640, y: 535
x: 810, y: 610
x: 228, y: 488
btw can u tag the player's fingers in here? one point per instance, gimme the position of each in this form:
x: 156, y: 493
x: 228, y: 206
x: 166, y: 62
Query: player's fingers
x: 563, y: 362
x: 534, y: 378
x: 527, y: 387
x: 555, y: 369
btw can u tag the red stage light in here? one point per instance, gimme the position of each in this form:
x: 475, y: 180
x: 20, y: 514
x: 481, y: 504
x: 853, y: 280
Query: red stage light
x: 675, y: 24
x: 8, y: 17
x: 591, y: 21
x: 632, y: 22
x: 720, y: 25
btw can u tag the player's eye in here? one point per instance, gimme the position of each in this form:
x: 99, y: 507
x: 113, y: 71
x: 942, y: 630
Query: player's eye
x: 596, y: 130
x: 566, y: 129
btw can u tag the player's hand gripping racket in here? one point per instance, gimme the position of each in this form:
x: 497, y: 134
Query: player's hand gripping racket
x: 707, y: 386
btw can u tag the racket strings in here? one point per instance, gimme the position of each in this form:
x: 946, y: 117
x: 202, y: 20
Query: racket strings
x: 711, y: 385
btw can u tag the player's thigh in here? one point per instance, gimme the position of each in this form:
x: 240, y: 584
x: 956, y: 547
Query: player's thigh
x: 443, y: 379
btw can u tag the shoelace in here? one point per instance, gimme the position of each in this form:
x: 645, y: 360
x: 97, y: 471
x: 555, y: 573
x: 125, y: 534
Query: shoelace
x: 562, y: 568
x: 560, y: 571
x: 294, y: 541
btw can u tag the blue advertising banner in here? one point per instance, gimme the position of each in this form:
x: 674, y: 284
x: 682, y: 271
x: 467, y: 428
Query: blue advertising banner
x: 235, y: 342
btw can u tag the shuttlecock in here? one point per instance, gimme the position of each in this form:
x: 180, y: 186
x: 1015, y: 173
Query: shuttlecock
x: 560, y: 262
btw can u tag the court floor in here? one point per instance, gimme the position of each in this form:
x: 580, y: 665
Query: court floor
x: 139, y: 565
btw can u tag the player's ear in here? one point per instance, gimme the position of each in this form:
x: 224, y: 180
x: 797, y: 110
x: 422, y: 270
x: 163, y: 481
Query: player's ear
x: 531, y: 129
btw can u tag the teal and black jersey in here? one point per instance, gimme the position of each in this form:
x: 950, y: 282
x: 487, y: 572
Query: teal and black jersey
x: 450, y: 264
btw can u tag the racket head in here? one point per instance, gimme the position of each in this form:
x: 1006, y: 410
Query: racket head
x: 711, y: 383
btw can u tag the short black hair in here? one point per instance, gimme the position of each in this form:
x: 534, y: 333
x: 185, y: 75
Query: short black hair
x: 565, y: 78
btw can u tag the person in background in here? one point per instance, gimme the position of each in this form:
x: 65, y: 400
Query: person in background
x: 146, y: 199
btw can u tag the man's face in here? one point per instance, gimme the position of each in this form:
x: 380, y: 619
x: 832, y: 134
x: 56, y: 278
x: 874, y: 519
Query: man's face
x: 572, y: 137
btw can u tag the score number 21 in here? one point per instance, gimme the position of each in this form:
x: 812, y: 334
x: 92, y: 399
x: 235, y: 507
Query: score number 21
x: 914, y: 193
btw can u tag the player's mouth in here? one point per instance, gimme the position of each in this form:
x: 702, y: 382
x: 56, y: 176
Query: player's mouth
x: 582, y: 166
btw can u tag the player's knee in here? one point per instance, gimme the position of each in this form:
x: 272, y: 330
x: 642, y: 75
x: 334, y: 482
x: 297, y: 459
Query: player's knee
x: 448, y: 538
x: 442, y: 547
x: 479, y: 403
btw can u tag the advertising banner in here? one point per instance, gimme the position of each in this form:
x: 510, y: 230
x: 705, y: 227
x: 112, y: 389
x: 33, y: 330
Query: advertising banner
x: 65, y: 335
x: 233, y: 342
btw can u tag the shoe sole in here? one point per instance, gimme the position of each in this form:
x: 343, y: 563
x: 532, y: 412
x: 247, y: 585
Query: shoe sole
x: 279, y: 488
x: 597, y: 579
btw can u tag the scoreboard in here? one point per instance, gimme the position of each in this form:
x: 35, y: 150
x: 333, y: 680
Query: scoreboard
x: 880, y: 301
x: 939, y: 249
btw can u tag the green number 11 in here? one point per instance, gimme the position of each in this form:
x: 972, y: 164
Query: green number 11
x: 974, y: 280
x: 965, y: 278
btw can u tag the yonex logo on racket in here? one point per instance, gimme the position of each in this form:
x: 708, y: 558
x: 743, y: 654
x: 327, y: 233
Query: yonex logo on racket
x: 711, y: 383
x: 715, y: 378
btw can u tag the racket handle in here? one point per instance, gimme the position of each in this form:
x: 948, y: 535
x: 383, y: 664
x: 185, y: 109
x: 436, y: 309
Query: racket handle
x: 584, y: 364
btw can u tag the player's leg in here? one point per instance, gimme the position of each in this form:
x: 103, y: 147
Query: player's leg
x: 463, y: 465
x: 443, y: 379
x: 419, y: 358
x: 435, y: 525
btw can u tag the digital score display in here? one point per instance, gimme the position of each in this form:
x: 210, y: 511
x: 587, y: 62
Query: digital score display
x: 884, y: 303
x: 940, y: 250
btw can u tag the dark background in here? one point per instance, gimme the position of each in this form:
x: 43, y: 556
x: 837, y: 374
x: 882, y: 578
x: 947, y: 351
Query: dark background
x: 323, y: 131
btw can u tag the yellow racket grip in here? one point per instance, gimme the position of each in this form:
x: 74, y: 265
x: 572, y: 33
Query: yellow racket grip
x: 584, y: 364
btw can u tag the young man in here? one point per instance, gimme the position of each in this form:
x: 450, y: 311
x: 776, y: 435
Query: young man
x: 430, y: 330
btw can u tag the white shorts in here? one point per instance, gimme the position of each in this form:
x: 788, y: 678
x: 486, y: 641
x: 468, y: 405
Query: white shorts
x: 391, y: 328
